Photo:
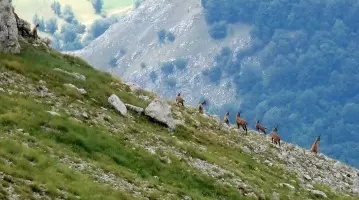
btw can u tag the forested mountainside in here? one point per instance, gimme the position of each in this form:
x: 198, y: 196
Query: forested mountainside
x: 300, y: 69
x: 310, y: 68
x: 73, y: 24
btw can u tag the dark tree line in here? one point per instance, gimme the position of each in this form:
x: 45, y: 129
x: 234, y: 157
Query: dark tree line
x: 307, y: 79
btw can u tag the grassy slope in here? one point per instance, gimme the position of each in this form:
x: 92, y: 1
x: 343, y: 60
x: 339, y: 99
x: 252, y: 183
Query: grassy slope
x: 36, y: 160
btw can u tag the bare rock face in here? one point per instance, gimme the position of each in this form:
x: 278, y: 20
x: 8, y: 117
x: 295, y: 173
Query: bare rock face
x: 8, y: 29
x: 160, y: 111
x: 118, y: 104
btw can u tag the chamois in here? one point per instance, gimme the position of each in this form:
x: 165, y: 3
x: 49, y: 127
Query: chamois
x: 315, y: 145
x: 226, y: 118
x: 34, y: 31
x: 241, y: 122
x: 179, y: 99
x: 200, y: 107
x: 275, y: 136
x: 260, y: 127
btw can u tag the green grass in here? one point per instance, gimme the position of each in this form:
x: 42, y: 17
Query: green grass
x: 34, y: 154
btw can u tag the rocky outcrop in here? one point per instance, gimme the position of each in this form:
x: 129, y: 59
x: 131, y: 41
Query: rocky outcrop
x: 79, y: 90
x: 76, y: 75
x: 160, y: 111
x: 134, y: 108
x: 8, y: 29
x: 118, y: 104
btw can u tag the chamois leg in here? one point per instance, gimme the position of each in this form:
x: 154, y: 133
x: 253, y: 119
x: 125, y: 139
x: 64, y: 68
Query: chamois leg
x: 244, y: 128
x: 279, y: 142
x: 238, y: 126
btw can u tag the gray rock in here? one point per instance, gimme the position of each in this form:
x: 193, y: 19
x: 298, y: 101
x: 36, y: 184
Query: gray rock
x: 134, y: 88
x: 160, y: 111
x: 246, y: 149
x: 318, y: 193
x: 79, y: 90
x: 8, y: 29
x: 53, y: 113
x: 187, y: 198
x: 118, y: 104
x: 134, y: 108
x: 74, y: 74
x: 307, y: 177
x: 275, y: 196
x: 291, y: 187
x: 145, y: 98
x: 337, y: 165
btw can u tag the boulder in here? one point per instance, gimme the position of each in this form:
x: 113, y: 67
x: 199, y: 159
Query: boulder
x: 74, y: 74
x: 134, y: 108
x: 134, y: 88
x: 318, y: 193
x: 160, y: 111
x: 118, y: 104
x: 9, y: 40
x: 79, y: 90
x: 275, y: 196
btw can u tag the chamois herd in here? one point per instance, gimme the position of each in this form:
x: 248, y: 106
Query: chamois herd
x: 243, y: 124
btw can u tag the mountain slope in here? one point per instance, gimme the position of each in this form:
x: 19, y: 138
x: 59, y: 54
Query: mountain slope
x: 60, y: 142
x: 135, y: 45
x: 302, y: 74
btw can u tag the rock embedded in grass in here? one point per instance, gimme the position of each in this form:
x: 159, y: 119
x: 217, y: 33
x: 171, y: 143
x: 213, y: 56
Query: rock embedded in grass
x: 118, y: 104
x: 160, y: 111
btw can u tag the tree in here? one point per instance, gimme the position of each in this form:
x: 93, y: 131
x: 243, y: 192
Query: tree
x: 68, y: 14
x: 162, y: 35
x: 180, y: 63
x: 137, y: 3
x: 56, y: 8
x: 97, y: 5
x: 68, y: 33
x: 113, y: 62
x: 167, y: 68
x: 51, y: 25
x: 170, y: 37
x: 153, y: 76
x: 218, y: 30
x: 171, y: 82
x: 99, y: 26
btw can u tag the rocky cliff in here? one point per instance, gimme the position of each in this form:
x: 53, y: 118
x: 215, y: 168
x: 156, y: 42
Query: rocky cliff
x: 8, y: 28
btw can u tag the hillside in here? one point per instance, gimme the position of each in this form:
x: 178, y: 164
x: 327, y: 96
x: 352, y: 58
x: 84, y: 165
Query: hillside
x: 293, y: 63
x: 139, y: 56
x: 61, y: 138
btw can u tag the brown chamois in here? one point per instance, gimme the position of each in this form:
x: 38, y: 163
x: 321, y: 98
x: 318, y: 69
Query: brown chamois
x: 200, y: 107
x: 226, y: 118
x: 260, y: 127
x: 34, y: 31
x: 315, y: 145
x: 275, y: 136
x: 179, y: 99
x: 241, y: 122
